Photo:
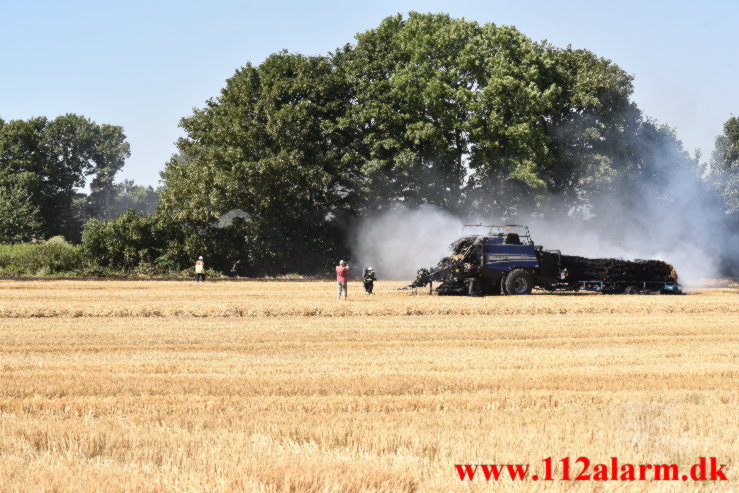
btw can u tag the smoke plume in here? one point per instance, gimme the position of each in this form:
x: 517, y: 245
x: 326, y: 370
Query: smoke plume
x: 654, y: 205
x: 401, y: 240
x: 676, y: 220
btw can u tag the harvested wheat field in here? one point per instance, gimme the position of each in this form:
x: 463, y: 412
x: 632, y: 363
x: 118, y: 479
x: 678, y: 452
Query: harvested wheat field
x: 273, y: 387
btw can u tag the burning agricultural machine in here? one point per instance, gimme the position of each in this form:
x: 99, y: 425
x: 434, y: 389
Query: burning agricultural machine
x: 505, y: 260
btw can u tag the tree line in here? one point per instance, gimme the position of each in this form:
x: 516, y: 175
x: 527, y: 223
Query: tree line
x: 424, y: 109
x: 44, y: 165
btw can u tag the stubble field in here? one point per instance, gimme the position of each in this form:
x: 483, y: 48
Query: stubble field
x: 274, y: 387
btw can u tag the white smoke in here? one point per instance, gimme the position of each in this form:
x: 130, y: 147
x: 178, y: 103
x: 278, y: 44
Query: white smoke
x: 595, y: 239
x: 662, y: 211
x: 227, y: 219
x: 670, y: 216
x: 401, y: 240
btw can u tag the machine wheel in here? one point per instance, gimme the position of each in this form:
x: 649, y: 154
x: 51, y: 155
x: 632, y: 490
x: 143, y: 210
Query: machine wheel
x: 631, y: 290
x: 502, y: 286
x: 518, y: 282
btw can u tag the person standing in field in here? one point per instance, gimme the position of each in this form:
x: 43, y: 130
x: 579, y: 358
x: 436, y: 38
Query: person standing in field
x: 200, y: 270
x: 368, y: 279
x: 342, y: 271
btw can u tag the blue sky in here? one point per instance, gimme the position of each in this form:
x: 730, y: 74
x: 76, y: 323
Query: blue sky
x: 146, y: 64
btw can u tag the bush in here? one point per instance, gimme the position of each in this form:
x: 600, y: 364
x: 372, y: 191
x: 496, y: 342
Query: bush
x: 52, y: 257
x: 131, y: 242
x: 12, y: 256
x: 55, y: 256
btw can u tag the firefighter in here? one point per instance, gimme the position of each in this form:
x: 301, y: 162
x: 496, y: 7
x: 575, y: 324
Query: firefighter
x: 200, y: 270
x: 368, y: 279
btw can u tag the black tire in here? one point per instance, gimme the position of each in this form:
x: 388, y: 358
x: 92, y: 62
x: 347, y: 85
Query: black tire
x: 631, y: 290
x: 502, y: 286
x: 518, y: 281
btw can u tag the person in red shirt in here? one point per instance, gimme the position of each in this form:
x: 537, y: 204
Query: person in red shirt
x: 342, y: 271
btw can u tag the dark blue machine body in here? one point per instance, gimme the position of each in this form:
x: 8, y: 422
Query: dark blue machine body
x: 499, y: 257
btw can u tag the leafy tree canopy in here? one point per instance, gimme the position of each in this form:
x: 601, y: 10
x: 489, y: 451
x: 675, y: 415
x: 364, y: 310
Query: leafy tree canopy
x: 271, y: 146
x: 724, y: 165
x: 51, y: 159
x: 19, y: 217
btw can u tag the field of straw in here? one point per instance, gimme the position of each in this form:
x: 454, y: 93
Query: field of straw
x: 275, y: 387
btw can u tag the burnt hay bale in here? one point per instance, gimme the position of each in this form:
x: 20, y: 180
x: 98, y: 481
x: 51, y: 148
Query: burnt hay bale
x: 613, y: 269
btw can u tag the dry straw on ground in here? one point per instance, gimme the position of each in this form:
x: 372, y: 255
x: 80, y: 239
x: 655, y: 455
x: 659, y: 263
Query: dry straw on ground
x: 167, y: 386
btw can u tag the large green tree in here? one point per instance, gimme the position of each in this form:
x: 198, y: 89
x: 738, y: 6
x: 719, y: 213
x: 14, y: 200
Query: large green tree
x: 724, y: 165
x: 462, y: 115
x: 724, y: 177
x: 19, y: 217
x: 127, y: 195
x: 53, y: 159
x: 269, y: 146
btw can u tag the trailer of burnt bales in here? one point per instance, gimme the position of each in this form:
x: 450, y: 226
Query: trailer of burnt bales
x: 506, y: 261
